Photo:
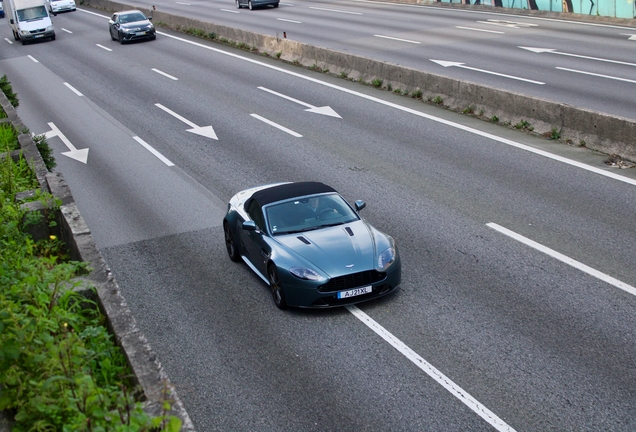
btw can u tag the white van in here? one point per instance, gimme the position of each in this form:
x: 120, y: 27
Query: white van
x: 29, y: 20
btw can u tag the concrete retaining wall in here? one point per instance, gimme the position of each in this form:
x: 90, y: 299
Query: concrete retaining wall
x: 595, y: 130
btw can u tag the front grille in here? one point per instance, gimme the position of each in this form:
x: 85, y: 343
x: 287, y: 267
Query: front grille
x: 353, y: 280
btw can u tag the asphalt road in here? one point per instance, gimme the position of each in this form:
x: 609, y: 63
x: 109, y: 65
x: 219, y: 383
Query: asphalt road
x: 585, y: 64
x: 489, y: 330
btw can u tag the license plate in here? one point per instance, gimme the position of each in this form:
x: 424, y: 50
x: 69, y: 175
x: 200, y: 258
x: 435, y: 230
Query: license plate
x: 37, y: 36
x: 140, y: 33
x: 355, y: 292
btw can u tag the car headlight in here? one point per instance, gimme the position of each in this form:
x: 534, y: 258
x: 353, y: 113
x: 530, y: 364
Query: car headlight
x: 305, y: 273
x: 386, y: 258
x: 49, y: 28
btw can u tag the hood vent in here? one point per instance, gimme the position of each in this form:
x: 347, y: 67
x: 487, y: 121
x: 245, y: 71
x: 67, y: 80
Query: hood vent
x: 303, y: 239
x: 349, y: 231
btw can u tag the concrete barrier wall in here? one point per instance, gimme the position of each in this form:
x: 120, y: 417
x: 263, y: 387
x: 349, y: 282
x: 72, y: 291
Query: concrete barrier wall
x: 595, y: 130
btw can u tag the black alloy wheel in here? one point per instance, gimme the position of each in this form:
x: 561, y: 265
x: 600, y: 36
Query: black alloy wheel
x: 276, y: 288
x: 230, y: 245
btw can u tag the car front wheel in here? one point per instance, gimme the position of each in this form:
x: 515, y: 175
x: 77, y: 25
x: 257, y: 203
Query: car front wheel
x: 276, y: 288
x: 230, y: 244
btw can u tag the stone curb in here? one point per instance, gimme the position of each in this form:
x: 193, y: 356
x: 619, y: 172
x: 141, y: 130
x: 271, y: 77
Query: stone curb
x: 74, y: 232
x: 595, y: 130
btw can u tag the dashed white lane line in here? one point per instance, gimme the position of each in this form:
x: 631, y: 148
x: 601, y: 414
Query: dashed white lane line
x: 165, y: 74
x: 277, y: 126
x: 565, y: 259
x: 397, y: 39
x: 431, y: 371
x: 103, y: 47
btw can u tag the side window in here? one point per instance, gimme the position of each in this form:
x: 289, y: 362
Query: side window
x: 256, y: 214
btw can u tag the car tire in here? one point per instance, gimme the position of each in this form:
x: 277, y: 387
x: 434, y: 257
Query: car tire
x: 275, y: 5
x: 238, y: 4
x: 15, y: 36
x: 53, y: 37
x: 230, y: 244
x: 120, y: 38
x: 249, y: 5
x: 276, y: 287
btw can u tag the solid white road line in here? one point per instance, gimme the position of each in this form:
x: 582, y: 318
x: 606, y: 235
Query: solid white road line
x: 565, y: 259
x: 277, y: 126
x: 431, y: 371
x: 148, y: 147
x: 77, y: 92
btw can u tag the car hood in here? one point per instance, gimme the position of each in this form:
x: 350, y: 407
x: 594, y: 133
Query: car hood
x: 337, y: 250
x: 136, y: 24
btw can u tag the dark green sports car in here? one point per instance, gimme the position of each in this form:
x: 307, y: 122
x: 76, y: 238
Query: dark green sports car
x: 310, y: 246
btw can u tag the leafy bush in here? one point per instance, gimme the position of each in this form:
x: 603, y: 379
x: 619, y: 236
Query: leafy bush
x: 5, y: 87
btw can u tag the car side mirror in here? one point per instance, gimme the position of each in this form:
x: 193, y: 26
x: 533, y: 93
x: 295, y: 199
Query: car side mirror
x: 249, y: 225
x: 360, y: 205
x: 149, y: 18
x: 11, y: 21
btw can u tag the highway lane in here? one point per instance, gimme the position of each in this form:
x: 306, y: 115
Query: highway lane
x: 592, y: 65
x: 540, y: 344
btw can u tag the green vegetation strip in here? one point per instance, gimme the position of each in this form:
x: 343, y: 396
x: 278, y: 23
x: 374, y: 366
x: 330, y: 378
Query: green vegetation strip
x: 60, y: 368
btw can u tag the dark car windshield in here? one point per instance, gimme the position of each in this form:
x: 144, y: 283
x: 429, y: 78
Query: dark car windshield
x: 308, y: 213
x: 132, y: 17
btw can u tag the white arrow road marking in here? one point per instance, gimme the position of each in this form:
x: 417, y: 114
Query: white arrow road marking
x: 431, y: 371
x: 165, y: 74
x: 554, y: 51
x: 397, y: 39
x: 277, y: 126
x: 206, y: 131
x: 73, y: 89
x: 326, y: 110
x: 564, y: 258
x: 598, y: 75
x: 461, y: 65
x: 73, y: 153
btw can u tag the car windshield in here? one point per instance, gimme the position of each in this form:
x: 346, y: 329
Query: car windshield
x: 132, y: 17
x: 37, y: 12
x: 308, y: 213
